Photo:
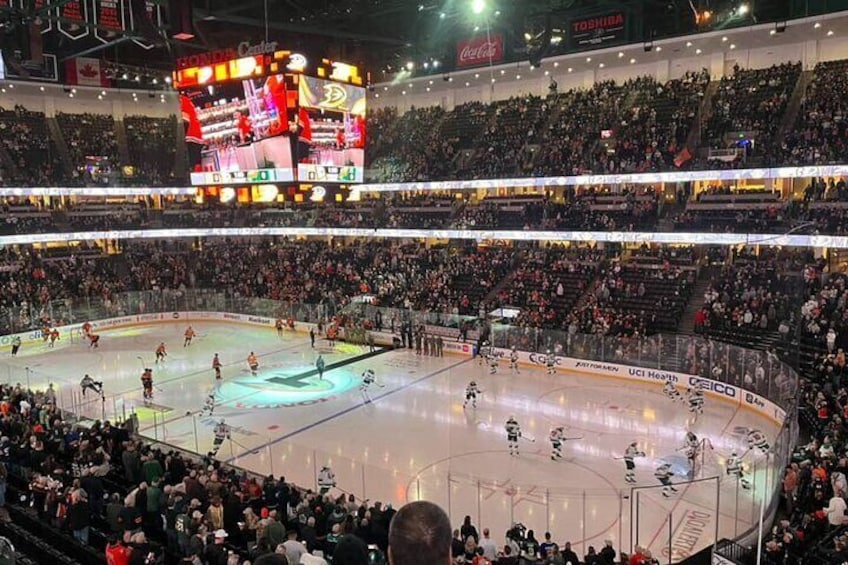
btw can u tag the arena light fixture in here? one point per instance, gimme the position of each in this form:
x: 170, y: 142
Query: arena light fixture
x: 436, y: 63
x: 743, y: 9
x: 688, y: 44
x: 478, y: 6
x: 556, y: 64
x: 698, y: 51
x: 658, y: 48
x: 632, y: 61
x: 600, y: 65
x: 829, y: 32
x: 733, y: 46
x: 570, y: 69
x: 620, y: 54
x: 817, y: 25
x: 723, y: 39
x: 410, y: 65
x: 588, y: 59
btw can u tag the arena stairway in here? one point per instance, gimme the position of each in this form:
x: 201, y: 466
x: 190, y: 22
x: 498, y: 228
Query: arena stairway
x: 706, y: 275
x: 61, y: 145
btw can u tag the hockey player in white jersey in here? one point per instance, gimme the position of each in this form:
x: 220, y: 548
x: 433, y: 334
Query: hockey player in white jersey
x: 550, y: 362
x: 368, y: 379
x: 326, y: 479
x: 513, y: 361
x: 483, y: 353
x: 695, y: 399
x: 758, y: 440
x: 691, y: 448
x: 471, y: 392
x: 492, y: 361
x: 222, y: 432
x: 209, y: 405
x: 733, y: 466
x: 630, y: 454
x: 513, y: 433
x: 671, y: 392
x: 663, y: 475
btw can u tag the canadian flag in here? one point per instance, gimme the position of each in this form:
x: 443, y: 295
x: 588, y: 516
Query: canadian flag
x: 85, y: 71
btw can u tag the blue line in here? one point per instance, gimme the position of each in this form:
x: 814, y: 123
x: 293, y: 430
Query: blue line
x: 346, y: 411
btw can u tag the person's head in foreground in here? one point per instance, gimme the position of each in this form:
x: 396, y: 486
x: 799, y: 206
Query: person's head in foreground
x: 420, y: 534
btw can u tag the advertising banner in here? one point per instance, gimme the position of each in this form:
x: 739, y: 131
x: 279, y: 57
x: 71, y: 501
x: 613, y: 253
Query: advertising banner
x: 479, y: 51
x: 597, y: 31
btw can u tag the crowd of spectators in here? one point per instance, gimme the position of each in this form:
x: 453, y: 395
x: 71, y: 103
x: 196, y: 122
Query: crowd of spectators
x: 89, y: 135
x: 34, y: 158
x: 818, y: 137
x: 152, y: 145
x: 751, y: 102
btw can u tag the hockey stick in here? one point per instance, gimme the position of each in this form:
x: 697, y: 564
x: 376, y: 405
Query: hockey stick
x: 143, y: 364
x: 531, y: 439
x: 571, y: 438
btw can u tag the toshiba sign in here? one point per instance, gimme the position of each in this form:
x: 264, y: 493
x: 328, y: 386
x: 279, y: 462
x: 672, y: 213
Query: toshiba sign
x: 479, y: 51
x: 597, y: 30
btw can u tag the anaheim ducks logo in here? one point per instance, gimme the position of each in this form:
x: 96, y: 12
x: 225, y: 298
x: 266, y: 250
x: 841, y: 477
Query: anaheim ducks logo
x: 335, y: 96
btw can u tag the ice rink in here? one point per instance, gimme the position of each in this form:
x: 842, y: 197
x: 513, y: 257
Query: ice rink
x: 415, y: 440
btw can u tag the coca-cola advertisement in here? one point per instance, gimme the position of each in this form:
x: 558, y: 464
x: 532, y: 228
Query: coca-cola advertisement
x: 479, y: 51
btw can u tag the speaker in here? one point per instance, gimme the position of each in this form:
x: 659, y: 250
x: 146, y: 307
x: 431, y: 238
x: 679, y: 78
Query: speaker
x: 180, y: 18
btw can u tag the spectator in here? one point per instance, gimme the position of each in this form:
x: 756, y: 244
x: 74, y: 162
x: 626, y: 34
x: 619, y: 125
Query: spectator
x: 420, y: 534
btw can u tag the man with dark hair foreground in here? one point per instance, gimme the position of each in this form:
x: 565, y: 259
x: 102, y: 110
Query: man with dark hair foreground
x: 420, y: 534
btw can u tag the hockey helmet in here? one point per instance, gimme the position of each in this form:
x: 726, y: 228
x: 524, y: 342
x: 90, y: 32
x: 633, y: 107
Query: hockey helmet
x: 221, y: 421
x: 473, y: 383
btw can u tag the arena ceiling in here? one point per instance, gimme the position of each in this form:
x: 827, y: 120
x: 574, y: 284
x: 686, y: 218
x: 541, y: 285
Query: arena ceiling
x: 381, y: 35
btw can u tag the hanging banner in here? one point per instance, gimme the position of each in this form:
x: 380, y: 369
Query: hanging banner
x: 597, y: 31
x: 73, y: 16
x: 46, y: 23
x: 153, y: 12
x: 110, y: 17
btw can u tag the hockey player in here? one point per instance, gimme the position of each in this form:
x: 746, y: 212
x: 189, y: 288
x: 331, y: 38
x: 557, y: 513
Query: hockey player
x: 147, y: 384
x: 664, y: 474
x: 691, y: 448
x: 492, y: 361
x: 630, y: 454
x: 368, y: 378
x: 513, y: 361
x: 54, y: 336
x: 216, y: 366
x: 695, y: 399
x: 222, y: 432
x: 513, y: 432
x: 161, y: 353
x: 86, y: 329
x: 758, y: 440
x: 483, y: 353
x: 189, y: 335
x: 93, y: 341
x: 209, y: 406
x: 87, y: 383
x: 326, y: 480
x: 733, y: 466
x: 319, y: 366
x: 16, y: 345
x: 550, y: 362
x: 279, y: 326
x: 671, y: 392
x: 471, y: 392
x: 557, y: 437
x: 253, y: 363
